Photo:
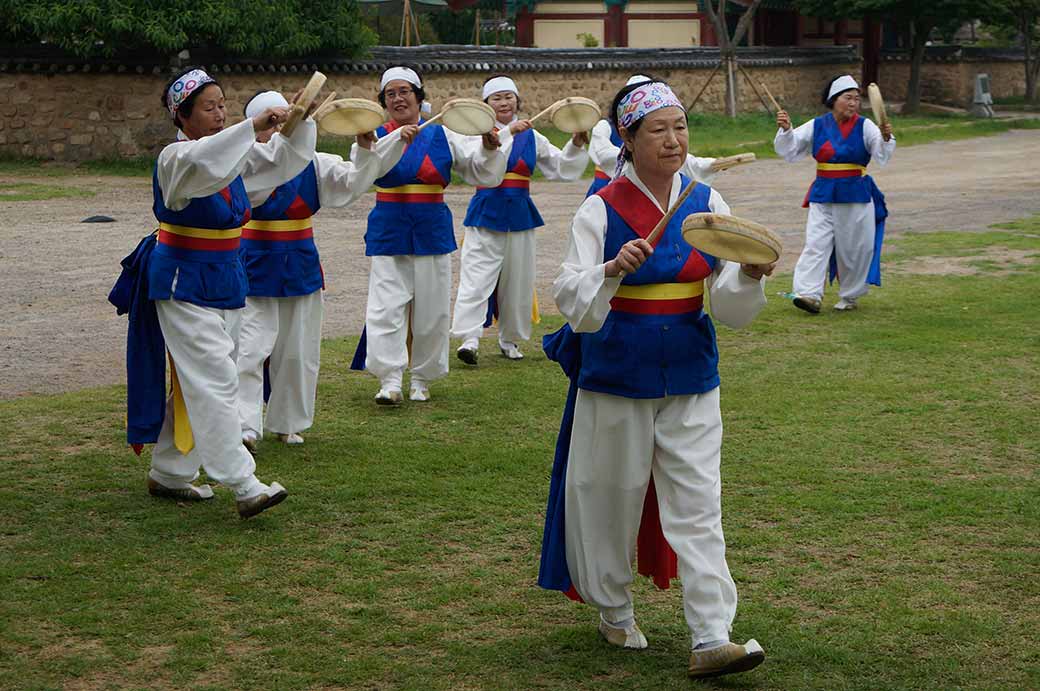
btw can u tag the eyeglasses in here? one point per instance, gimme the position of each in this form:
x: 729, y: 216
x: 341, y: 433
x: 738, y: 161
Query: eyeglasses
x: 403, y: 93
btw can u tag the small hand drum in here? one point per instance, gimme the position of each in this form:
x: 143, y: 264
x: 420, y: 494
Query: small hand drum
x: 299, y: 109
x: 731, y: 238
x: 349, y: 117
x: 465, y: 116
x: 877, y: 104
x: 575, y: 114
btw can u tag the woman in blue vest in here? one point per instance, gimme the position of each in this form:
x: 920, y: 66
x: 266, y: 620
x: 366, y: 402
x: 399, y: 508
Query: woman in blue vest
x: 193, y: 287
x: 642, y: 424
x: 606, y: 142
x: 410, y: 239
x: 846, y: 209
x: 284, y: 308
x: 499, y: 246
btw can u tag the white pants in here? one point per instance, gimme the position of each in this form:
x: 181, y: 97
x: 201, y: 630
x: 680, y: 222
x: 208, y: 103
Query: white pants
x: 616, y: 444
x: 491, y: 258
x: 287, y: 330
x: 848, y: 231
x: 401, y: 288
x: 202, y: 342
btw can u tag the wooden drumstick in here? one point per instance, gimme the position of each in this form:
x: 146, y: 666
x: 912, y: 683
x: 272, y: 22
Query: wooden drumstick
x: 324, y: 103
x: 544, y: 112
x: 663, y: 223
x: 432, y: 120
x: 771, y: 99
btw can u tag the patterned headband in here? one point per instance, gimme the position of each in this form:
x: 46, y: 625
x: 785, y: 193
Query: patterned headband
x: 185, y: 85
x: 637, y: 104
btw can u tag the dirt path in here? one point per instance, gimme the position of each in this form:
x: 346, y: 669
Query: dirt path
x: 58, y: 332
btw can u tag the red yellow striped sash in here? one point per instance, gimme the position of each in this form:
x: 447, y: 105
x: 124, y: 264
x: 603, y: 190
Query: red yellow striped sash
x: 278, y: 231
x: 514, y: 180
x: 659, y: 298
x: 411, y: 193
x: 189, y: 238
x: 601, y: 174
x: 840, y: 170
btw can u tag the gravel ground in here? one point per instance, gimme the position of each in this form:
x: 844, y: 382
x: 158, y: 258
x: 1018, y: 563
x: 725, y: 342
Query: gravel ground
x: 60, y: 334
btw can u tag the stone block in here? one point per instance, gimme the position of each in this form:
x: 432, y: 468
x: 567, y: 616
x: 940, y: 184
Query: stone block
x: 81, y: 139
x: 16, y: 123
x: 94, y: 115
x: 41, y: 121
x: 57, y: 148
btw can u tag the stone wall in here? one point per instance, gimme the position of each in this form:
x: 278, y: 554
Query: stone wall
x: 71, y: 111
x: 953, y: 83
x: 75, y: 117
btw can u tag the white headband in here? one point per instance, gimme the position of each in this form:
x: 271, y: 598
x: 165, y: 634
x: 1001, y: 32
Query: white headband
x: 637, y: 79
x: 842, y: 84
x: 399, y: 73
x: 263, y: 101
x: 493, y: 86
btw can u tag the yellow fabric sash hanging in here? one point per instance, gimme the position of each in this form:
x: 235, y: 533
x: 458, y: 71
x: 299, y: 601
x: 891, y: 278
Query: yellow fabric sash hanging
x: 183, y: 437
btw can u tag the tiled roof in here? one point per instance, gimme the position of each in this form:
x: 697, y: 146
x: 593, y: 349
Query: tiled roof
x: 439, y: 59
x: 959, y: 54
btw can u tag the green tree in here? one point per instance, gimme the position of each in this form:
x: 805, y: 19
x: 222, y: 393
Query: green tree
x: 92, y: 28
x: 1021, y: 17
x: 921, y: 16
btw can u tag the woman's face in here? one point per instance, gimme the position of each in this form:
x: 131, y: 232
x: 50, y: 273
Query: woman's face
x: 208, y: 114
x: 401, y: 102
x: 846, y: 105
x: 660, y: 144
x: 504, y: 104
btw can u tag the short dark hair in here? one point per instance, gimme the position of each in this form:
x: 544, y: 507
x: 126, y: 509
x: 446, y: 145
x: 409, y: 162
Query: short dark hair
x: 827, y: 100
x: 188, y: 104
x: 420, y: 93
x: 496, y: 76
x: 634, y: 126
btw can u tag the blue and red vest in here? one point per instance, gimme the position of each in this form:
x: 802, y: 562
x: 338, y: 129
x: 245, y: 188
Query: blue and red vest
x: 601, y: 178
x: 410, y: 216
x: 196, y: 255
x: 509, y: 206
x: 841, y: 162
x: 278, y: 250
x: 657, y: 340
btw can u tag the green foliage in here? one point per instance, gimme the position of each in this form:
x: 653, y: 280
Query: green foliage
x: 587, y: 40
x: 90, y: 28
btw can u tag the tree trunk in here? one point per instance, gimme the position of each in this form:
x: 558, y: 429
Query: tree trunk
x: 1032, y: 64
x: 731, y: 85
x: 913, y: 89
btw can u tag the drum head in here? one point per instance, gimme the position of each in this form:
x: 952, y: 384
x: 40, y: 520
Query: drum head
x: 731, y: 238
x: 350, y: 116
x: 468, y: 116
x: 877, y: 104
x: 575, y: 114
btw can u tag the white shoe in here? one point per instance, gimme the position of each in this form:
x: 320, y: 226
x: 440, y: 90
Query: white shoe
x: 419, y: 393
x: 291, y: 438
x: 845, y: 305
x: 265, y: 497
x: 511, y: 351
x: 187, y: 493
x: 630, y: 637
x: 389, y: 397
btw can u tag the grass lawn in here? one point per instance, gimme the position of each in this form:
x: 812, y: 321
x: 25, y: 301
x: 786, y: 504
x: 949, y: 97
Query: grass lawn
x: 881, y: 494
x: 711, y: 135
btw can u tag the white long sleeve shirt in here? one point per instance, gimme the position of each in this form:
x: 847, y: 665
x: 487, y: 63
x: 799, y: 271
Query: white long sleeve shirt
x: 797, y: 142
x: 190, y: 169
x: 583, y: 292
